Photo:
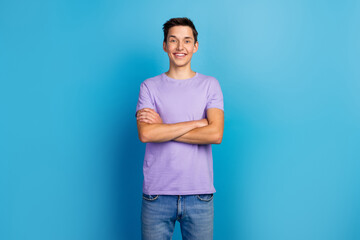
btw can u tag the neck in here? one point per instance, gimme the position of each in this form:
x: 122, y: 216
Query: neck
x: 180, y: 73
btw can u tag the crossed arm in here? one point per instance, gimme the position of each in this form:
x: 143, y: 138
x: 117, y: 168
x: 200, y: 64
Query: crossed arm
x: 204, y: 131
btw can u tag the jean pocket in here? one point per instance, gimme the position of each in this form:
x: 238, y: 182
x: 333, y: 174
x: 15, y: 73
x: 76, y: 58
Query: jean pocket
x: 150, y: 197
x: 205, y: 197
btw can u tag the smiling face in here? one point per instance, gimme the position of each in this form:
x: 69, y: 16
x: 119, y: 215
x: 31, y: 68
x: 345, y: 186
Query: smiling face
x: 180, y: 46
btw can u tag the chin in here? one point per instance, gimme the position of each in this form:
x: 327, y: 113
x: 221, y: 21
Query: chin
x: 180, y: 65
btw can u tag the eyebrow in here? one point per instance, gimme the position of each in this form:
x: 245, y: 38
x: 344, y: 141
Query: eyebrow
x: 176, y: 37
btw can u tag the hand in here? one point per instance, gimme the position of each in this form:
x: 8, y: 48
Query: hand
x: 148, y: 115
x: 203, y: 122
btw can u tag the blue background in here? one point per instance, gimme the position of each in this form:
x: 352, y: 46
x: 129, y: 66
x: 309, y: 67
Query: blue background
x: 70, y: 157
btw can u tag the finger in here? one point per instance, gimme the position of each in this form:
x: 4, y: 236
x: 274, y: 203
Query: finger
x: 145, y: 118
x: 149, y: 110
x: 140, y: 111
x: 148, y: 115
x: 149, y: 119
x: 142, y: 119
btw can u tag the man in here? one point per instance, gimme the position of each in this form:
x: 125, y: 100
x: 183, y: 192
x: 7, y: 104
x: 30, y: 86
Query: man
x: 180, y: 113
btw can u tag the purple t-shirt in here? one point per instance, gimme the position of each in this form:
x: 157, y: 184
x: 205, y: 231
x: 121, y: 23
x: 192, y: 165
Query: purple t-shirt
x: 178, y: 168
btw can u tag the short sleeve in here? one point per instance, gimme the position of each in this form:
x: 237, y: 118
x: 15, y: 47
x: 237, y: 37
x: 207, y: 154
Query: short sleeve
x: 145, y: 100
x: 215, y: 96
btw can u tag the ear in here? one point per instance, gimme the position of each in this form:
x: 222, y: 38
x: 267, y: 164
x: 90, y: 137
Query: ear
x: 164, y: 46
x: 196, y: 47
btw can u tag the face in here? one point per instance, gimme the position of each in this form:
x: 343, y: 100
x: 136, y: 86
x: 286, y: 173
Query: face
x: 180, y: 45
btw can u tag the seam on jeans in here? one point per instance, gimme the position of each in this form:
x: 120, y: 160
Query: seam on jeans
x: 205, y: 200
x: 177, y: 216
x: 184, y: 210
x: 150, y: 199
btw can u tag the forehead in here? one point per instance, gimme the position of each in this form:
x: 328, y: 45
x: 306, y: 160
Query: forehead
x: 180, y: 31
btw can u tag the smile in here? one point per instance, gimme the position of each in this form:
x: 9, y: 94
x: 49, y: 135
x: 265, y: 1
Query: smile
x: 179, y: 55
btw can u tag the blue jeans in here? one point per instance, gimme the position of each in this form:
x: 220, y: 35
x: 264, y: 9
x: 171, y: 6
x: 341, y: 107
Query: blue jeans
x: 195, y: 214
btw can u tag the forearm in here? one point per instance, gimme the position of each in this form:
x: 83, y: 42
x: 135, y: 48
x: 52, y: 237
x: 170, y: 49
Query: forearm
x: 161, y: 132
x: 201, y: 135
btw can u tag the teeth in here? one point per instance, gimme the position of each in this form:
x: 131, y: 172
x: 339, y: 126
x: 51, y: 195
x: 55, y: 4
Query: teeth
x: 180, y: 54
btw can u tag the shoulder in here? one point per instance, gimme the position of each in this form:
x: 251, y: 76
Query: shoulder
x: 151, y: 81
x: 207, y: 77
x: 210, y: 80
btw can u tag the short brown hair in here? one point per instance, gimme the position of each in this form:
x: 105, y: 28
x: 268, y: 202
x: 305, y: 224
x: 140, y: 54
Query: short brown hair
x: 179, y: 22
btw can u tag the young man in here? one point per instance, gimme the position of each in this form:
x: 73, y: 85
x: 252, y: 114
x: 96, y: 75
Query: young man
x: 180, y: 113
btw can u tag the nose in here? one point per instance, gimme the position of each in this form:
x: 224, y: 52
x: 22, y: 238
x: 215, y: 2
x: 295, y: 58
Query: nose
x: 179, y: 46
